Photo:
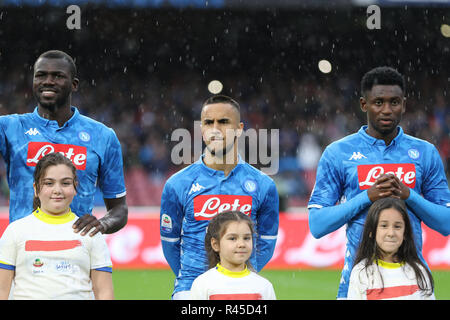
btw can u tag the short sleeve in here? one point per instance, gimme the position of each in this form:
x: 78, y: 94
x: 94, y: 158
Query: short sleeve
x: 198, y: 290
x: 100, y: 256
x: 8, y: 249
x: 270, y: 292
x: 358, y: 284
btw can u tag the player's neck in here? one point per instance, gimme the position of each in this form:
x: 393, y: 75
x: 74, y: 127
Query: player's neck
x: 387, y: 138
x: 60, y: 115
x: 225, y: 163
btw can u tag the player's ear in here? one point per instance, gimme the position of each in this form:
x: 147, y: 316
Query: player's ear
x: 75, y: 83
x: 215, y: 244
x: 363, y: 104
x: 241, y: 128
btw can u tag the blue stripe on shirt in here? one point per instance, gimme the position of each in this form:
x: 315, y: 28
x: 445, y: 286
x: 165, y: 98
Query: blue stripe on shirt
x: 7, y: 266
x: 106, y: 269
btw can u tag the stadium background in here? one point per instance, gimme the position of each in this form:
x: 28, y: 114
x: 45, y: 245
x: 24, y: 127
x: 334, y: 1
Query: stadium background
x: 145, y: 67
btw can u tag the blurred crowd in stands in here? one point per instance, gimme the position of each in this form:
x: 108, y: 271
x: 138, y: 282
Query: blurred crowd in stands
x: 144, y: 105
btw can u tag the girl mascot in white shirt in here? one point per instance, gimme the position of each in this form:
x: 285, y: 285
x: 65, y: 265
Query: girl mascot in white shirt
x: 387, y: 266
x: 229, y: 244
x: 41, y: 257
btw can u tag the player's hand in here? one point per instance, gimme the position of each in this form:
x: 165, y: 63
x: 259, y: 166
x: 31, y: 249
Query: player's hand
x: 403, y: 190
x: 387, y: 185
x: 87, y: 222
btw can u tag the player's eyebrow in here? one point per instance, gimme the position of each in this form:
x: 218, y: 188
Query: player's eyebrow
x: 224, y: 119
x: 52, y: 73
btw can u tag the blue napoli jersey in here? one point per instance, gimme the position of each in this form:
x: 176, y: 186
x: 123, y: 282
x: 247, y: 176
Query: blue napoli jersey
x: 350, y: 166
x: 194, y: 195
x: 92, y: 147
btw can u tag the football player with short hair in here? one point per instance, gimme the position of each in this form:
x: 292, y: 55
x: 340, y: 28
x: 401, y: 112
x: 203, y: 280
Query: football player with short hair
x: 378, y: 161
x: 57, y: 126
x: 219, y: 181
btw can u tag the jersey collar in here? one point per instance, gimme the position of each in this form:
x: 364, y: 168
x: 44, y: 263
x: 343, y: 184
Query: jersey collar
x: 232, y: 274
x: 371, y: 140
x: 46, y: 122
x: 54, y: 219
x: 390, y: 265
x: 212, y: 172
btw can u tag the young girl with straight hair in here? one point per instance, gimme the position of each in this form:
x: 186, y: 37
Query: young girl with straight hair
x: 229, y: 245
x: 41, y: 256
x: 387, y: 265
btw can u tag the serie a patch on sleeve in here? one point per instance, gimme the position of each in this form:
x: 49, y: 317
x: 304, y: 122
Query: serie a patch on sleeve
x: 166, y: 223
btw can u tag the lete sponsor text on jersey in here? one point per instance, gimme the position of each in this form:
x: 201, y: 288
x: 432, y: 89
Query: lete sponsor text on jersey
x: 369, y: 173
x: 76, y: 154
x: 207, y: 206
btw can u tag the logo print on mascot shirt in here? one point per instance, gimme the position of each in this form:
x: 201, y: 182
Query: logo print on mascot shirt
x: 369, y: 173
x: 76, y: 154
x: 208, y: 205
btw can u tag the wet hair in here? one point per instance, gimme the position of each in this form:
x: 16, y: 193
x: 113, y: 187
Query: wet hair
x: 381, y: 76
x: 57, y: 54
x: 222, y: 99
x: 216, y: 229
x: 51, y: 159
x: 407, y: 252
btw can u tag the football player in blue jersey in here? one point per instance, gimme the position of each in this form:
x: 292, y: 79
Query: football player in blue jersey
x: 378, y: 161
x: 219, y: 181
x: 57, y: 126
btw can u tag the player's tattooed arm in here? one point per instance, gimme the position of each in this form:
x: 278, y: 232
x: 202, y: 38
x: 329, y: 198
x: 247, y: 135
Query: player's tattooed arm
x: 114, y: 220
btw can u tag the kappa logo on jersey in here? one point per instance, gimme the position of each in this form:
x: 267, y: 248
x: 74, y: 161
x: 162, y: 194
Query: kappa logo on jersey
x: 196, y: 187
x: 369, y: 173
x: 32, y: 132
x: 208, y: 206
x: 357, y: 156
x: 76, y: 154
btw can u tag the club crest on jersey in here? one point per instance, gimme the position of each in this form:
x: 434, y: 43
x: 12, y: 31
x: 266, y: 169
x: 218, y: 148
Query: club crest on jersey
x: 250, y: 185
x: 76, y: 154
x: 84, y: 136
x: 208, y: 206
x: 369, y: 173
x: 414, y: 154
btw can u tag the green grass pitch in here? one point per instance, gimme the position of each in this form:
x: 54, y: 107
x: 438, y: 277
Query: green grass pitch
x: 288, y: 284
